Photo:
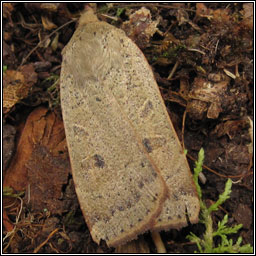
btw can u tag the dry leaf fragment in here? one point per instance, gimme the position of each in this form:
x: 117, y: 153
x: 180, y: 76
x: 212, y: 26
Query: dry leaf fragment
x: 9, y: 132
x: 47, y: 23
x: 214, y: 110
x: 41, y: 159
x: 42, y: 7
x: 7, y: 9
x: 16, y: 85
x: 8, y: 55
x: 50, y: 7
x: 250, y: 146
x: 55, y: 42
x: 231, y: 128
x: 207, y: 96
x: 140, y: 27
x: 202, y: 11
x: 46, y: 176
x: 41, y: 128
x: 248, y: 14
x: 196, y: 109
x: 183, y: 18
x: 42, y: 66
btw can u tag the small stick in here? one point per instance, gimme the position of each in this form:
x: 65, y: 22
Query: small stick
x: 158, y: 242
x: 173, y: 70
x: 48, y: 238
x: 242, y: 175
x: 47, y: 37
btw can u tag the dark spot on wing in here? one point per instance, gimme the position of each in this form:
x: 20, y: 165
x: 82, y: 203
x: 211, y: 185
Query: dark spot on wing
x: 99, y: 161
x: 146, y: 143
x: 141, y: 184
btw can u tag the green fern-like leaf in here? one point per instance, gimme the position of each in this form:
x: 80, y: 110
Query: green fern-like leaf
x: 223, y: 197
x: 224, y: 230
x: 206, y: 244
x: 197, y: 170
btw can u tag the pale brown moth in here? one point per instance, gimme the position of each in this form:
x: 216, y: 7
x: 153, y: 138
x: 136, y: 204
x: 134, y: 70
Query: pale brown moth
x: 129, y: 169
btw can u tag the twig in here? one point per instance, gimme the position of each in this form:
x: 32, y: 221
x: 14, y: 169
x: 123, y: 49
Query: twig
x: 173, y: 70
x: 201, y: 176
x: 12, y: 233
x: 158, y: 242
x: 219, y: 174
x: 183, y: 128
x: 153, y: 5
x: 28, y: 193
x: 109, y: 17
x: 48, y: 238
x: 228, y: 73
x: 216, y: 46
x: 195, y: 50
x: 46, y: 38
x: 16, y: 221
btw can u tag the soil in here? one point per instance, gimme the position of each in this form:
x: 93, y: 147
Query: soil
x: 202, y: 58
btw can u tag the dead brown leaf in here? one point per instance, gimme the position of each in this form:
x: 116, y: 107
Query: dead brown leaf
x: 50, y: 7
x: 222, y: 16
x: 41, y: 129
x: 8, y: 55
x: 41, y: 163
x: 248, y: 15
x: 231, y: 128
x: 47, y: 23
x: 46, y: 176
x: 206, y: 96
x: 202, y: 10
x: 16, y: 85
x: 42, y: 7
x: 8, y: 144
x: 140, y: 27
x: 7, y: 9
x: 196, y: 109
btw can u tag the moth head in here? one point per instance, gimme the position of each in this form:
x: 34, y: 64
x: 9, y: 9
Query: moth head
x: 88, y: 16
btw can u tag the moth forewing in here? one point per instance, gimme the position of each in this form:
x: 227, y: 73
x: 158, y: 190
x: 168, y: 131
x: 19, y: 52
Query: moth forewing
x: 125, y: 155
x: 119, y: 188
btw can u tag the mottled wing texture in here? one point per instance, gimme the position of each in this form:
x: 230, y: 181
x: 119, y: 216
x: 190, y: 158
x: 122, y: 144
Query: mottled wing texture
x: 120, y: 190
x: 134, y: 87
x: 126, y: 157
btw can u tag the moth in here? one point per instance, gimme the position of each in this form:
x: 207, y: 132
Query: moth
x: 129, y: 169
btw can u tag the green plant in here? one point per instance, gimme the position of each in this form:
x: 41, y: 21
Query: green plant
x: 119, y: 11
x: 5, y: 68
x: 173, y: 51
x: 8, y: 191
x: 206, y: 244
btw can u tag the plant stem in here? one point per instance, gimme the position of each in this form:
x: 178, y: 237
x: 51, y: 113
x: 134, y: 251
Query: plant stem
x: 158, y: 242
